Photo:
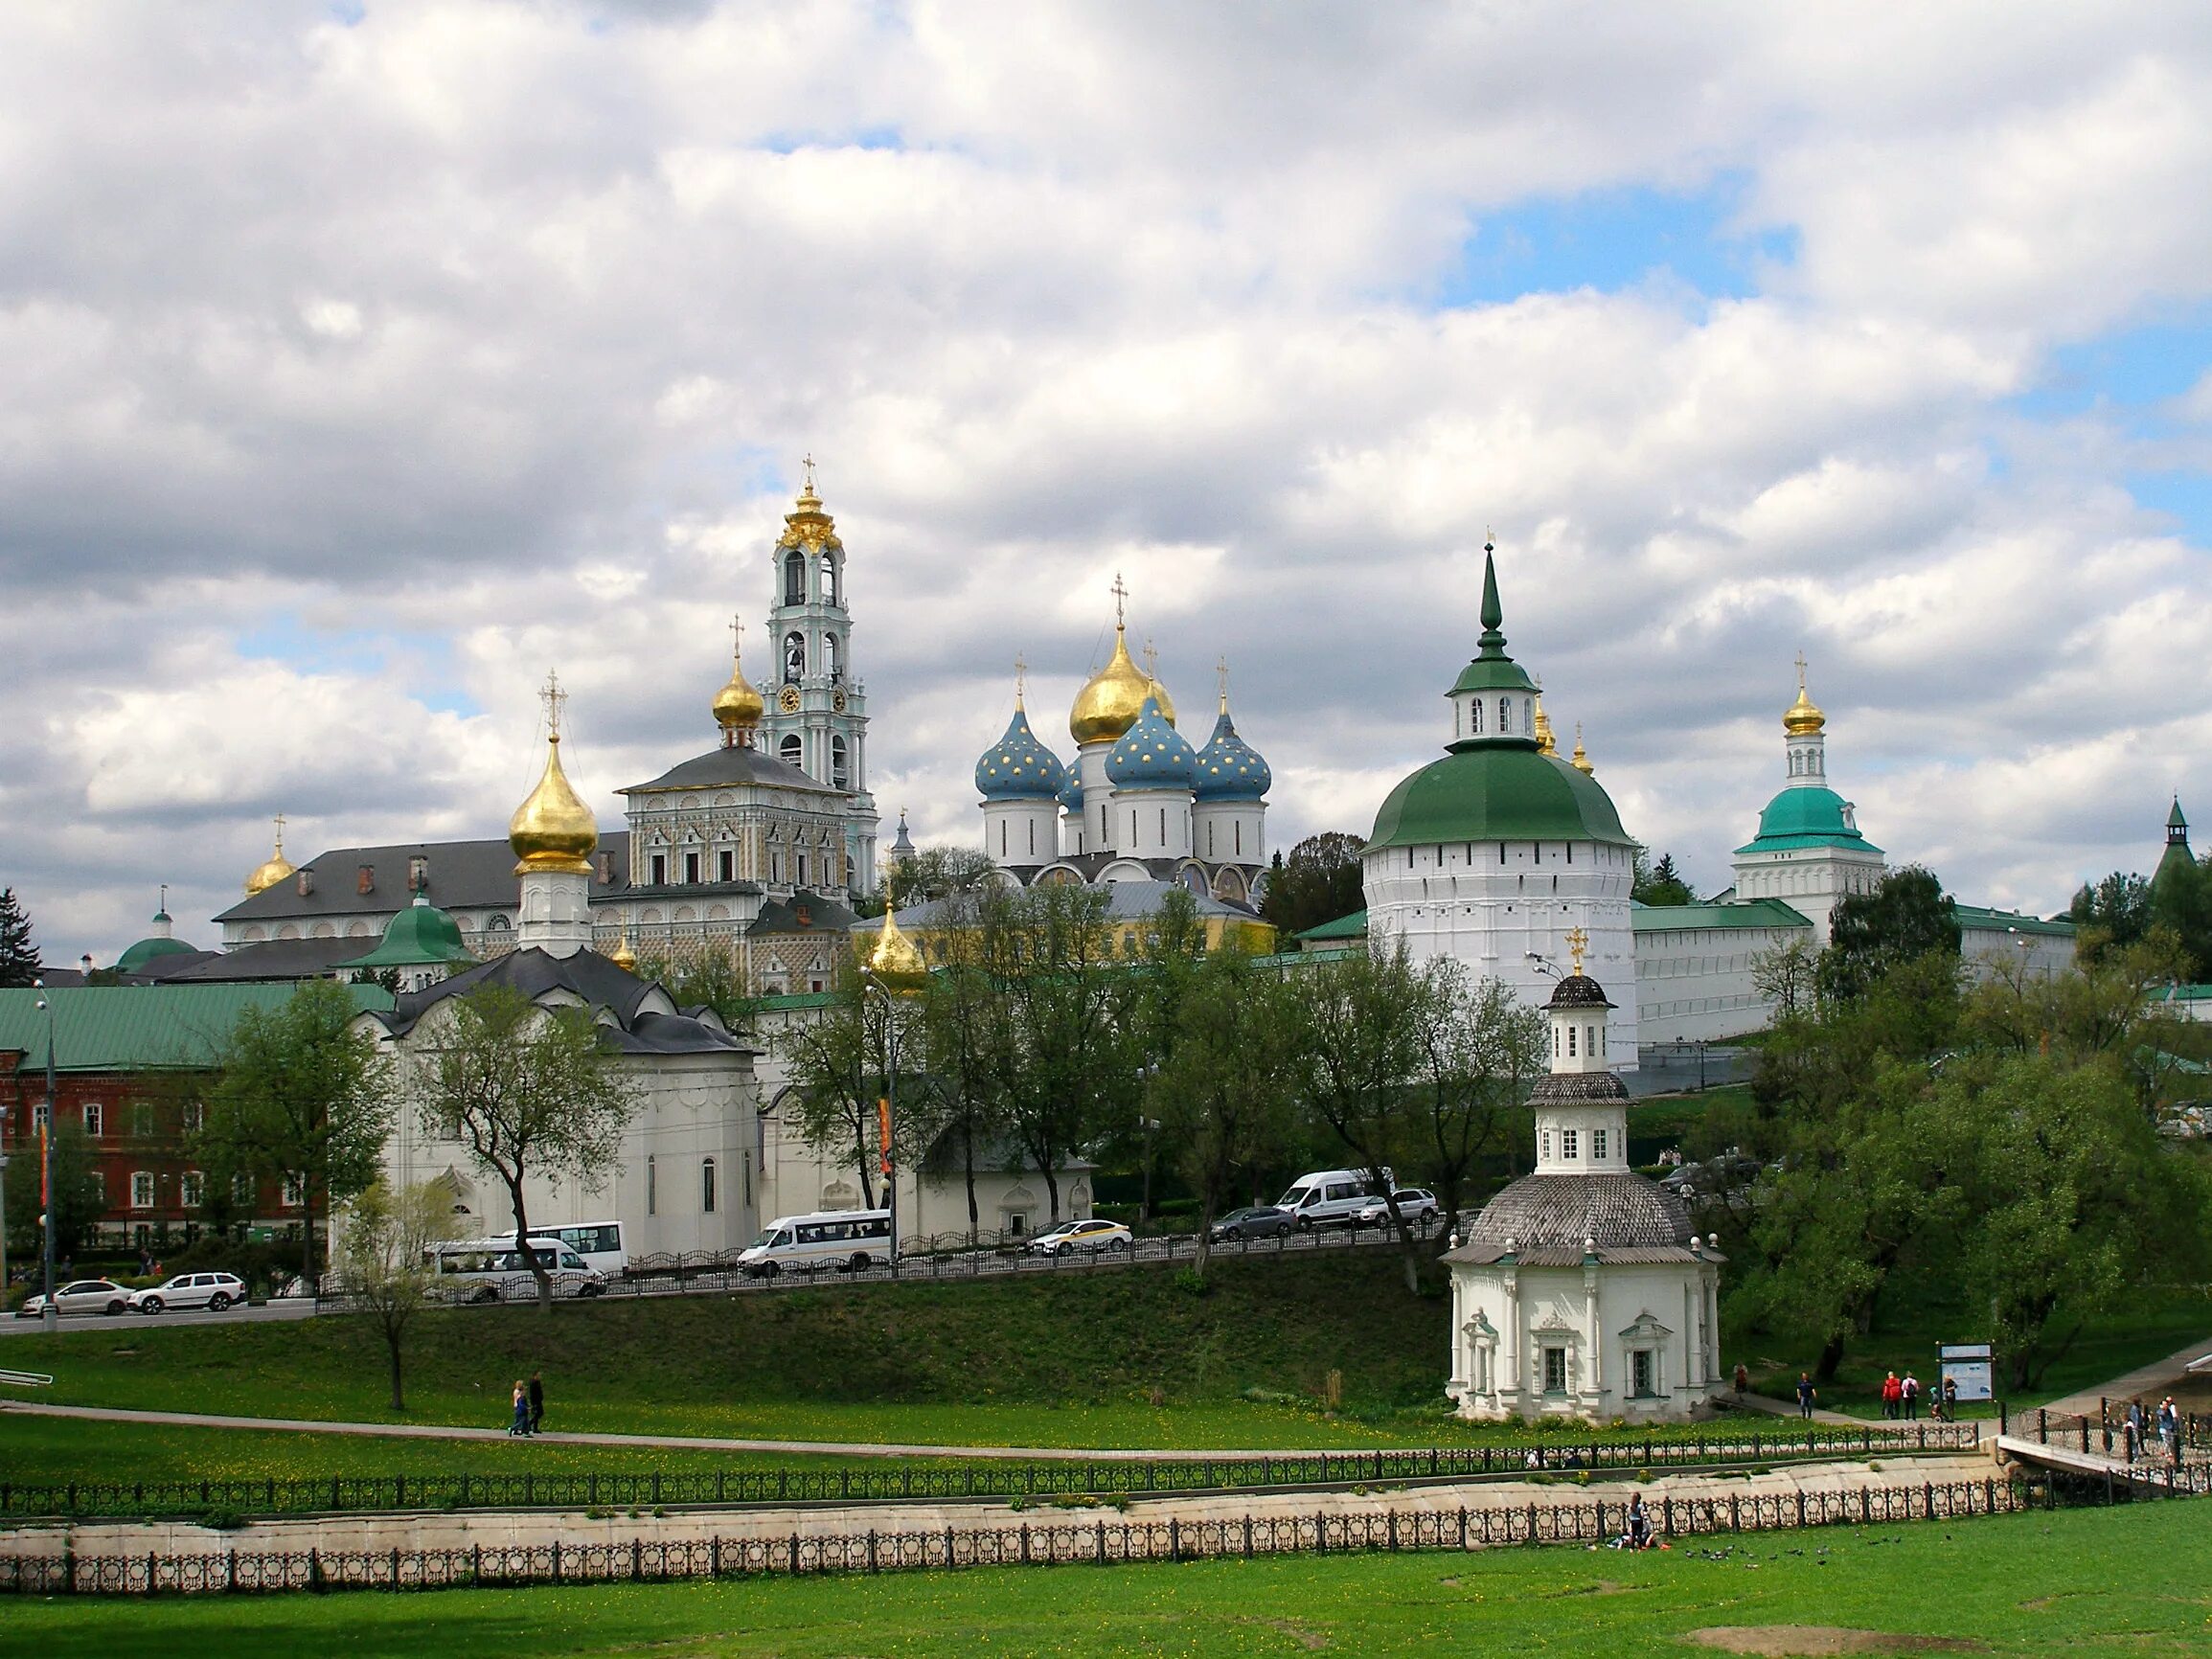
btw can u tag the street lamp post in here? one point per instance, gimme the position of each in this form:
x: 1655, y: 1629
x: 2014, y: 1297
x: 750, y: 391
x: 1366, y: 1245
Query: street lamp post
x: 49, y: 1316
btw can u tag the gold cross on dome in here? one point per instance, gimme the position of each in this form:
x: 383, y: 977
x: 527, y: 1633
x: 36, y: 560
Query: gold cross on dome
x: 1577, y: 941
x: 1800, y: 671
x: 1020, y: 677
x: 279, y: 820
x: 1151, y: 660
x: 1121, y: 593
x: 553, y: 696
x: 737, y: 637
x: 1221, y: 672
x: 808, y: 462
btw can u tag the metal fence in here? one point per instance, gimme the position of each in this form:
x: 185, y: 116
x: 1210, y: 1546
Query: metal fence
x: 2105, y: 1434
x: 1100, y: 1542
x: 911, y: 1480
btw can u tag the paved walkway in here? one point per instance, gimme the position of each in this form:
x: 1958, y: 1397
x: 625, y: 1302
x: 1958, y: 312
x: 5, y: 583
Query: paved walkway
x: 2154, y: 1379
x: 1789, y: 1408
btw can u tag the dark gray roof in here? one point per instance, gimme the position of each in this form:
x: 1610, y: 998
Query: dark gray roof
x: 463, y: 875
x: 593, y: 980
x: 273, y: 959
x: 1561, y: 1211
x: 820, y: 916
x: 1576, y: 1088
x: 719, y: 768
x: 170, y: 965
x: 1580, y: 991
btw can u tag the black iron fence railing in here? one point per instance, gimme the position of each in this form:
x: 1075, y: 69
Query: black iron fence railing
x: 911, y: 1480
x: 1097, y: 1541
x: 2105, y: 1434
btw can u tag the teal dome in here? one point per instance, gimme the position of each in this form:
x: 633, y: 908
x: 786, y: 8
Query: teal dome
x: 418, y: 937
x: 1152, y: 755
x: 1229, y: 768
x: 1017, y: 767
x: 1496, y: 792
x: 1071, y: 793
x: 1807, y: 815
x: 145, y: 951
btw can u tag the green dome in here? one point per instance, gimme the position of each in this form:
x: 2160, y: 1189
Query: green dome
x: 419, y: 935
x: 1496, y: 792
x: 146, y: 949
x: 1805, y: 816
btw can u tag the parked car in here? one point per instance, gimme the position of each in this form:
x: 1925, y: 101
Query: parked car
x: 213, y: 1291
x: 1413, y: 1203
x: 1094, y: 1235
x: 1254, y: 1221
x: 79, y: 1296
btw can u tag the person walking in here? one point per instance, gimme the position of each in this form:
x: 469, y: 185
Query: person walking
x: 536, y: 1401
x: 2169, y: 1430
x: 1807, y: 1393
x: 1743, y: 1379
x: 1908, y: 1391
x: 2131, y: 1433
x: 1951, y: 1399
x: 520, y: 1400
x: 1892, y: 1393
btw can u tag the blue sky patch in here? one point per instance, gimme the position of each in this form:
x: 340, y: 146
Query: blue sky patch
x: 1611, y: 240
x: 368, y: 653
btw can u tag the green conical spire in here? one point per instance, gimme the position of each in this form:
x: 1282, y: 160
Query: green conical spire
x: 2174, y: 819
x: 1492, y: 642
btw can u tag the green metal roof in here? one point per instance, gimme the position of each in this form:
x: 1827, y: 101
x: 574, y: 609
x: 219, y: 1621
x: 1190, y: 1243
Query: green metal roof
x: 1496, y: 674
x: 2182, y: 993
x: 1503, y: 792
x: 418, y: 936
x: 1806, y: 815
x: 796, y: 1002
x: 2002, y: 920
x: 104, y: 1028
x: 1746, y: 913
x: 1353, y: 926
x: 146, y: 949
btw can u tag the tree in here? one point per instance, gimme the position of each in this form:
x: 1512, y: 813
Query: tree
x: 710, y: 979
x: 931, y: 873
x: 1319, y: 881
x: 2182, y: 903
x: 1658, y: 883
x: 380, y: 1253
x: 1480, y: 1048
x: 963, y: 1029
x: 301, y: 1097
x: 1067, y: 1067
x: 1356, y: 1025
x: 2114, y: 914
x: 1787, y: 976
x: 1905, y: 915
x: 837, y: 1063
x: 527, y: 1091
x: 78, y: 1198
x: 19, y: 964
x: 1221, y: 1091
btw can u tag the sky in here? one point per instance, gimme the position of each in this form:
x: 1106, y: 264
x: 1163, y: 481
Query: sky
x: 365, y: 361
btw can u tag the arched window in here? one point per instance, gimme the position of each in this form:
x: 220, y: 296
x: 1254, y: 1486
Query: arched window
x: 1504, y: 717
x: 837, y: 767
x: 1475, y: 717
x: 788, y: 749
x: 794, y: 579
x: 794, y: 657
x: 829, y: 594
x: 707, y: 1186
x: 830, y: 664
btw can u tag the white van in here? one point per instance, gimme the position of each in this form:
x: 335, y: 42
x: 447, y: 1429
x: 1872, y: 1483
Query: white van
x: 493, y: 1270
x: 1329, y: 1197
x: 599, y: 1242
x: 849, y: 1238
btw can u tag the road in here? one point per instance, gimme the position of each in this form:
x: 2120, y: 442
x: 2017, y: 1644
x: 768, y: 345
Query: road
x: 294, y: 1307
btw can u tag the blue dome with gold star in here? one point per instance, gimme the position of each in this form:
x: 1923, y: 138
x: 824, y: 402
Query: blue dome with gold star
x: 1017, y: 767
x: 1152, y: 755
x: 1071, y: 793
x: 1229, y: 768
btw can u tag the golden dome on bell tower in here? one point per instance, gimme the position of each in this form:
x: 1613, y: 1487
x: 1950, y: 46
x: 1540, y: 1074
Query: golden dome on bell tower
x: 1802, y: 719
x: 273, y: 869
x: 552, y: 829
x: 1109, y: 704
x: 1545, y: 742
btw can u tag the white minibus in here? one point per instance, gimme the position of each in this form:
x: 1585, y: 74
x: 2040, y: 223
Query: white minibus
x: 599, y: 1242
x: 1328, y: 1197
x: 493, y: 1270
x: 849, y: 1239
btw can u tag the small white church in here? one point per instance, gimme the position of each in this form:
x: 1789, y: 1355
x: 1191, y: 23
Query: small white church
x: 1579, y: 1290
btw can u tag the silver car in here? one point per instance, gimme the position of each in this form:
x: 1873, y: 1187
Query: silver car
x: 213, y: 1291
x: 79, y: 1296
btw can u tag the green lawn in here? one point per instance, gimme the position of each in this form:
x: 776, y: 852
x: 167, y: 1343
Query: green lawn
x: 2133, y: 1580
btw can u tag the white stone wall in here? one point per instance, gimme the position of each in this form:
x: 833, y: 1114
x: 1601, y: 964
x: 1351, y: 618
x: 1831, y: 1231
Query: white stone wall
x: 1811, y: 881
x: 1504, y: 1316
x: 1988, y: 952
x: 1022, y: 834
x: 1230, y: 832
x: 1695, y: 984
x: 1491, y: 903
x: 1153, y: 823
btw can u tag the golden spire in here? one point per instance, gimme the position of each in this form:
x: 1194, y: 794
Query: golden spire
x: 1580, y: 761
x: 1802, y: 719
x: 1111, y: 703
x: 1577, y: 941
x: 272, y: 869
x: 895, y: 956
x: 623, y: 956
x: 807, y: 523
x: 1546, y: 744
x: 738, y: 706
x: 1221, y: 669
x: 552, y: 829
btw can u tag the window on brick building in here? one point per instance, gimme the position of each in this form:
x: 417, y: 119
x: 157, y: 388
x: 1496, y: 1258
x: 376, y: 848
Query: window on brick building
x: 142, y: 1189
x: 95, y: 1117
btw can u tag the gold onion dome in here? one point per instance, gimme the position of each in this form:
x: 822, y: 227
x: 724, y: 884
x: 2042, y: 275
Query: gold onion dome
x: 623, y: 956
x: 737, y: 705
x: 1803, y: 718
x: 554, y: 830
x: 894, y: 956
x: 1545, y: 742
x: 1115, y: 696
x: 1580, y: 761
x: 272, y: 869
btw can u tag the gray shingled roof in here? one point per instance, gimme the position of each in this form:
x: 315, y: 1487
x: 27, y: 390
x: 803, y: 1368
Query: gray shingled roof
x: 1561, y: 1211
x: 271, y: 959
x: 1577, y: 1089
x: 464, y: 875
x: 1580, y: 991
x: 593, y: 980
x: 729, y: 768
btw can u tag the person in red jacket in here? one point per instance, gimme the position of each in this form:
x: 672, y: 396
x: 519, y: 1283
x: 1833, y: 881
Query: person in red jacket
x: 1892, y: 1395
